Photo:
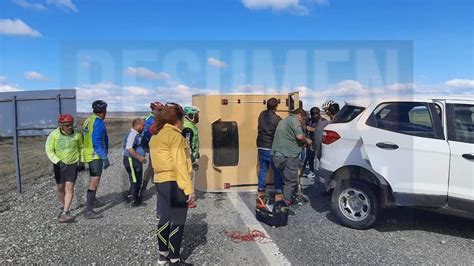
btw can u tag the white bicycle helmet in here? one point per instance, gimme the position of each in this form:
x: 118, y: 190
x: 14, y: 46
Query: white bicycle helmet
x: 327, y: 104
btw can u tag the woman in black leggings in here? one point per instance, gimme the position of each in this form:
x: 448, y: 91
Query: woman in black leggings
x: 171, y: 161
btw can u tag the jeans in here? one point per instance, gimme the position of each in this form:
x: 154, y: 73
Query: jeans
x: 265, y: 160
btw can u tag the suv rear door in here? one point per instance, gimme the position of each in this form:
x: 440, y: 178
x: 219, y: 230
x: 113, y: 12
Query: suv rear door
x: 404, y: 142
x: 461, y: 142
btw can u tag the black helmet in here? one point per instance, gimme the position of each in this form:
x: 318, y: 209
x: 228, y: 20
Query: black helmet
x: 99, y: 106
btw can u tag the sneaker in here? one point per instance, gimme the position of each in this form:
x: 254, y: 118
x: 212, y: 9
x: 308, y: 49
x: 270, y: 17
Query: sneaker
x: 127, y: 198
x: 66, y: 218
x: 180, y: 262
x: 300, y: 200
x: 311, y: 175
x: 93, y: 215
x: 162, y: 260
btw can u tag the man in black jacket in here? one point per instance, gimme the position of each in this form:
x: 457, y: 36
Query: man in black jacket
x: 267, y: 124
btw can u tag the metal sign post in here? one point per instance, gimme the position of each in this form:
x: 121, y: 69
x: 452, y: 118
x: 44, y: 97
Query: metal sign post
x: 15, y: 146
x: 25, y: 120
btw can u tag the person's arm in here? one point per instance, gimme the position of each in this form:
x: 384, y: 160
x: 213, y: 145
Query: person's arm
x: 80, y: 144
x: 299, y: 133
x: 129, y: 146
x: 99, y: 139
x: 50, y: 148
x: 310, y: 129
x: 318, y: 136
x: 182, y: 164
x: 188, y: 135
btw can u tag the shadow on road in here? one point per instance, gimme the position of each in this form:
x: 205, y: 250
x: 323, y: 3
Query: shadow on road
x: 399, y: 219
x: 195, y: 234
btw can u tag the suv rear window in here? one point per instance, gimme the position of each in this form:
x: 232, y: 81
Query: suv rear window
x: 348, y: 113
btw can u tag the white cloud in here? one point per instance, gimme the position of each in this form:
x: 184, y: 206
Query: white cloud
x: 7, y: 87
x: 145, y: 73
x: 28, y: 5
x: 216, y: 62
x: 138, y: 91
x: 64, y: 4
x: 460, y: 83
x: 33, y: 75
x: 300, y: 7
x: 399, y: 87
x: 133, y: 98
x: 17, y: 27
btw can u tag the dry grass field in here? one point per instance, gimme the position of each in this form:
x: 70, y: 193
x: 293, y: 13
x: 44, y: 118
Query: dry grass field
x: 35, y: 164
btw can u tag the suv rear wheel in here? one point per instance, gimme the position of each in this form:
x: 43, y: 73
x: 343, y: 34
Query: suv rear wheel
x: 355, y: 204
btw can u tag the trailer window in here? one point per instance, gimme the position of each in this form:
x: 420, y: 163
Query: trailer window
x: 225, y: 143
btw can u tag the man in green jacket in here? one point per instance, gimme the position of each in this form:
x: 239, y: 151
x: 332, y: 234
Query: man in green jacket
x: 64, y: 150
x: 191, y: 134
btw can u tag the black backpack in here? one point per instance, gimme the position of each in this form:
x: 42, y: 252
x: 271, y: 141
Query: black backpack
x: 278, y: 216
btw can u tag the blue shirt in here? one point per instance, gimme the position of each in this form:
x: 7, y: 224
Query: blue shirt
x: 146, y: 132
x: 133, y: 140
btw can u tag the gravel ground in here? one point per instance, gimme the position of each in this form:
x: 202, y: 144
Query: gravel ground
x: 30, y: 232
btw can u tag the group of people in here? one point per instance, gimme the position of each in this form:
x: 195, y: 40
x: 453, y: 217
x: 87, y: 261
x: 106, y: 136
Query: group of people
x: 170, y: 137
x: 281, y: 144
x: 69, y: 150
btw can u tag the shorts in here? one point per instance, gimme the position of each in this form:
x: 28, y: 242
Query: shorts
x: 95, y: 167
x: 65, y: 173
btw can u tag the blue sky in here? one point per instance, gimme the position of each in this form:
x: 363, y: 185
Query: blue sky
x: 138, y: 51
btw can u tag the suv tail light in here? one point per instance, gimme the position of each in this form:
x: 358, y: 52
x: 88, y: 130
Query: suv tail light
x: 330, y: 137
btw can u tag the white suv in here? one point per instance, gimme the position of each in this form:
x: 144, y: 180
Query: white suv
x: 394, y: 152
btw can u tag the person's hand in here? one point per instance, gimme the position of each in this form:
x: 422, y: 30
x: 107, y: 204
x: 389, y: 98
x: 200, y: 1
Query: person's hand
x: 191, y: 199
x: 195, y: 166
x: 309, y: 141
x: 81, y: 167
x: 142, y: 159
x: 105, y: 163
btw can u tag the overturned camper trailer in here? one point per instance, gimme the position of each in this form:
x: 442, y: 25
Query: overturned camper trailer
x: 228, y: 132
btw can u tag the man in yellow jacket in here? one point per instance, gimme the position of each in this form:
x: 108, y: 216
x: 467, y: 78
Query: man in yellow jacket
x: 64, y: 150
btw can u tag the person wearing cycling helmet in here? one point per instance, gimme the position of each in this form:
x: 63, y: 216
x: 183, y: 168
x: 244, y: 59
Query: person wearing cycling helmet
x: 64, y: 149
x: 331, y: 108
x: 96, y: 149
x: 149, y: 121
x: 312, y: 125
x: 191, y: 134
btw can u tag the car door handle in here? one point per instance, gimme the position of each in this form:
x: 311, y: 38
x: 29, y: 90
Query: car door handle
x: 468, y: 156
x: 387, y: 146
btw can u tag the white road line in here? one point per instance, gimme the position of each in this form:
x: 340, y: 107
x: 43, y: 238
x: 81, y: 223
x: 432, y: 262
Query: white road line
x: 269, y: 249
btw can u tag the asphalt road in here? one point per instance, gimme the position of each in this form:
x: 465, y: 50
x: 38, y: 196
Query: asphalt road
x: 401, y: 236
x: 30, y: 232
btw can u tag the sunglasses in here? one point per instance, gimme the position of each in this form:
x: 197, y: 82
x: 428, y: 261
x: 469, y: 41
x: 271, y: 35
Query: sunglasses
x: 67, y: 125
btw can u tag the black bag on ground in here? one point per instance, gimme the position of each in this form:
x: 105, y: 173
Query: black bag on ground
x: 277, y: 217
